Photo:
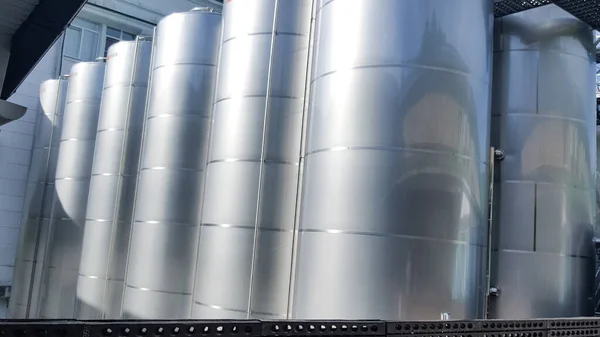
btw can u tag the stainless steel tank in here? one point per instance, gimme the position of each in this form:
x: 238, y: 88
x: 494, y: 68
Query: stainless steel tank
x: 392, y: 221
x: 73, y: 171
x: 164, y: 236
x: 246, y: 237
x: 38, y: 200
x: 544, y: 120
x: 112, y: 188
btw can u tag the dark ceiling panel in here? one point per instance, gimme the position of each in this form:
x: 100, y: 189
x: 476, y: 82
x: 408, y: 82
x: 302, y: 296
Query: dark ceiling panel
x: 35, y: 36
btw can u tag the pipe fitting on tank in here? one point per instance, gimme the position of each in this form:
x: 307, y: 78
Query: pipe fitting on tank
x: 499, y: 154
x: 100, y: 59
x: 494, y: 291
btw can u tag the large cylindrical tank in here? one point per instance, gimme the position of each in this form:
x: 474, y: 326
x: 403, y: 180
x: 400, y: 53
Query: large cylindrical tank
x: 393, y: 210
x: 245, y: 249
x: 74, y: 166
x: 544, y: 121
x: 38, y: 200
x: 164, y: 236
x: 114, y: 175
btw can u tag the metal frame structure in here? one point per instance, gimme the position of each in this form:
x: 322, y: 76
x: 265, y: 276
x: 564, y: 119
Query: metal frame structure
x: 558, y: 327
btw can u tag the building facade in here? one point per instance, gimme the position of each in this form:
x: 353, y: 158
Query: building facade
x: 100, y: 24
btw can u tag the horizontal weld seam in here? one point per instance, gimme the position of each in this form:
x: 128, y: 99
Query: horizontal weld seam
x: 397, y: 65
x: 277, y: 33
x: 84, y: 100
x: 511, y: 181
x: 534, y: 115
x: 170, y: 223
x: 256, y: 96
x: 179, y: 115
x: 386, y: 235
x: 75, y: 179
x: 218, y: 307
x: 238, y: 160
x: 77, y: 140
x: 124, y: 85
x: 113, y: 175
x: 519, y: 251
x: 247, y: 227
x: 164, y: 168
x: 387, y: 148
x: 100, y: 278
x: 157, y: 291
x: 109, y: 221
x: 185, y: 64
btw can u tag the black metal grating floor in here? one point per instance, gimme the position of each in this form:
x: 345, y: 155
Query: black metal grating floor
x: 507, y: 7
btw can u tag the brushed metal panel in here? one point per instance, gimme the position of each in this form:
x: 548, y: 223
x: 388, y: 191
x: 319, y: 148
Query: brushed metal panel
x: 340, y: 20
x: 397, y: 183
x: 72, y: 183
x: 565, y: 229
x: 115, y: 163
x: 232, y: 266
x: 251, y: 177
x: 172, y: 140
x: 544, y: 103
x: 173, y: 196
x: 88, y: 296
x: 518, y: 230
x: 561, y: 285
x: 230, y: 194
x: 393, y: 209
x: 213, y: 312
x: 427, y: 276
x: 173, y: 243
x: 150, y: 304
x: 244, y: 118
x: 396, y: 107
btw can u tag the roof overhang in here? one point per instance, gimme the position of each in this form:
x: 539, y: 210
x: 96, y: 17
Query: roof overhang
x: 34, y: 37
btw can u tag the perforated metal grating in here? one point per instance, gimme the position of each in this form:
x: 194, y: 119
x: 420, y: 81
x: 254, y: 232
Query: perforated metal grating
x: 507, y: 7
x: 585, y: 10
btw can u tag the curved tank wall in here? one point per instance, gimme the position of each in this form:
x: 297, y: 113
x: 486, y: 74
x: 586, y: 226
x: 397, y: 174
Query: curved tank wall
x: 112, y: 187
x: 245, y: 249
x: 543, y: 119
x: 72, y: 181
x: 392, y: 220
x: 164, y: 236
x: 38, y: 200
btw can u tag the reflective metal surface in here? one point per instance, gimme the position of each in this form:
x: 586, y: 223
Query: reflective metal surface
x: 38, y: 200
x: 245, y: 248
x: 112, y: 188
x: 394, y: 197
x: 543, y: 118
x: 73, y: 170
x: 164, y: 237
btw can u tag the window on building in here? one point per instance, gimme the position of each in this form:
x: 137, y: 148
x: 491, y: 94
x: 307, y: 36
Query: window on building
x: 81, y: 40
x: 114, y: 35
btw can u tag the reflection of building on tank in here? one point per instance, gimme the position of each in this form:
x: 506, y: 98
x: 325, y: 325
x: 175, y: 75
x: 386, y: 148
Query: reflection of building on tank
x: 545, y: 184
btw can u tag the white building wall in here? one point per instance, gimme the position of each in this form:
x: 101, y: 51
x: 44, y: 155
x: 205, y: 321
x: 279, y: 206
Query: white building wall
x: 16, y: 138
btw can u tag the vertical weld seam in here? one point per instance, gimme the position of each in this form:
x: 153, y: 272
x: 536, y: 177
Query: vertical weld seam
x: 267, y: 112
x: 534, y: 216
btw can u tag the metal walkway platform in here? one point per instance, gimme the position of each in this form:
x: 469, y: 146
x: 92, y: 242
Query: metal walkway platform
x: 586, y: 10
